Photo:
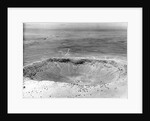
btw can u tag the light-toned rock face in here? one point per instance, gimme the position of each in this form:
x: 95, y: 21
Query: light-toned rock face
x: 75, y: 78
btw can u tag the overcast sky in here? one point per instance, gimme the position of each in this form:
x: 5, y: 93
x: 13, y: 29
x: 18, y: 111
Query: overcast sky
x: 80, y: 26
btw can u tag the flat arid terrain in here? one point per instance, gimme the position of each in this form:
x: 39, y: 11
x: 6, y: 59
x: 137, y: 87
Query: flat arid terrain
x: 75, y: 60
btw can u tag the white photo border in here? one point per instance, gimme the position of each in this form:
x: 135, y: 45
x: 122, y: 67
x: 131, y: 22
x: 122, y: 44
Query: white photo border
x: 16, y: 18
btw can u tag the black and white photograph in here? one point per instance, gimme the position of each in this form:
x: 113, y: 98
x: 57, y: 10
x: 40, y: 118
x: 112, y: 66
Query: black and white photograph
x: 75, y: 60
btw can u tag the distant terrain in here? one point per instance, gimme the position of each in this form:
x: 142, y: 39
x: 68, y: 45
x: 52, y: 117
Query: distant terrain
x: 44, y: 43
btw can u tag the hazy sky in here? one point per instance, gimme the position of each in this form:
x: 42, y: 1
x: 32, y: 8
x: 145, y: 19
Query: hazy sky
x: 80, y: 26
